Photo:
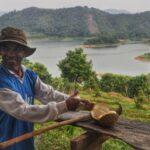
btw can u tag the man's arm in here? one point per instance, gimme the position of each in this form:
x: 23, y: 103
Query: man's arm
x: 45, y: 93
x: 12, y: 103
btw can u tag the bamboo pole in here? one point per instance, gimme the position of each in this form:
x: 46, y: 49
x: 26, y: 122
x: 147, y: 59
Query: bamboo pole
x: 40, y: 131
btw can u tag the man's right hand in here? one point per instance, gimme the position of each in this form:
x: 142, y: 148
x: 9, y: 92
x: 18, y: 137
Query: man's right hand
x: 72, y: 103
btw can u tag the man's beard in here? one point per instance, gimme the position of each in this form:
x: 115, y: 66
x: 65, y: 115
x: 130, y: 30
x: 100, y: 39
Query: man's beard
x: 12, y: 63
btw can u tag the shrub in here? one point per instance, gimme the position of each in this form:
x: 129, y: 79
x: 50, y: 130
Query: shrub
x: 40, y: 69
x: 117, y: 83
x: 137, y: 84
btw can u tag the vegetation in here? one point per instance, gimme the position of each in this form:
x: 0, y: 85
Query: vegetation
x: 126, y: 85
x: 59, y: 139
x: 40, y: 69
x: 144, y: 57
x: 147, y: 56
x: 102, y: 39
x: 133, y: 93
x: 75, y: 67
x: 136, y: 108
x: 78, y: 21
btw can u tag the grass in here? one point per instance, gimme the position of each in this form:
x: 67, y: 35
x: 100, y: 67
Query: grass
x: 59, y: 139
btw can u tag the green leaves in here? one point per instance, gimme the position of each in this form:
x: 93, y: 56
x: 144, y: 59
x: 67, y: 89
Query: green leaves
x: 40, y: 69
x: 75, y: 66
x: 128, y: 86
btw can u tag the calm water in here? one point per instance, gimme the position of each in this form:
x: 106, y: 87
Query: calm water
x: 115, y: 60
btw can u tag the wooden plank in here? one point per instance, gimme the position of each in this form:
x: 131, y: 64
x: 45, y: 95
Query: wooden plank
x: 88, y: 141
x: 135, y: 133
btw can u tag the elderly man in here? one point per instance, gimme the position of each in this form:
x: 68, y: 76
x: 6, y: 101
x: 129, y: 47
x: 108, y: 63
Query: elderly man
x: 18, y: 88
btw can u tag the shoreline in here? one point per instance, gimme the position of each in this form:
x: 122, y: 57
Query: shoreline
x: 142, y: 59
x: 100, y: 45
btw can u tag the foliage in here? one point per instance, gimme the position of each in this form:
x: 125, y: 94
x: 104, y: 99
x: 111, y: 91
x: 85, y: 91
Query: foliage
x: 116, y: 144
x: 40, y: 69
x: 75, y: 66
x: 128, y: 86
x: 78, y: 21
x: 59, y: 139
x: 102, y: 38
x: 128, y: 104
x: 92, y: 83
x: 146, y: 56
x: 64, y: 85
x: 117, y: 83
x: 137, y: 84
x: 139, y: 99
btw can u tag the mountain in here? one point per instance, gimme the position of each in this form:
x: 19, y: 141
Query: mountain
x: 117, y: 11
x: 78, y: 21
x: 2, y: 12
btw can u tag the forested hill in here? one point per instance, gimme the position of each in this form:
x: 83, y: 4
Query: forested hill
x: 78, y: 21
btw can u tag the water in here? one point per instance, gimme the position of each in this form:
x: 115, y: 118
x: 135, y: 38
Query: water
x: 114, y: 60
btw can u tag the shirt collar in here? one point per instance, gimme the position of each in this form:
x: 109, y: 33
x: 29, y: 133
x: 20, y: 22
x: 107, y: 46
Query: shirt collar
x: 13, y: 73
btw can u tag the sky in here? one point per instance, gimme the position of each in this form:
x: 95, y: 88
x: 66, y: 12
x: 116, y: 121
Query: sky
x: 130, y: 5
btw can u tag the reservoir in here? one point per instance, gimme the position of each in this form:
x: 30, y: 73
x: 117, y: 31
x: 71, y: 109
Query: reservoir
x: 119, y: 60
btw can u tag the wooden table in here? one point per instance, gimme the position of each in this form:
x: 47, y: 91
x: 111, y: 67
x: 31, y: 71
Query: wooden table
x: 135, y: 133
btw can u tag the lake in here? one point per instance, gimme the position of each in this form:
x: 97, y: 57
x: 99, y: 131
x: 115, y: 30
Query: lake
x: 118, y: 60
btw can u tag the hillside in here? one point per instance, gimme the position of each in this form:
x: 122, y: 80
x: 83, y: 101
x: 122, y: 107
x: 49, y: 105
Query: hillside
x: 2, y: 12
x: 117, y: 11
x: 78, y: 21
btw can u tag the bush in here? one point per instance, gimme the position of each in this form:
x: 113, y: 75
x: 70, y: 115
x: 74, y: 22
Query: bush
x: 117, y: 83
x: 40, y: 69
x: 127, y: 86
x: 91, y: 83
x: 64, y: 85
x: 139, y: 99
x: 139, y: 83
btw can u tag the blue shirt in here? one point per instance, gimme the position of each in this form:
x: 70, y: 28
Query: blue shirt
x: 11, y: 127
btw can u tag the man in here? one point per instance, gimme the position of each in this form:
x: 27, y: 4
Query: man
x: 18, y: 88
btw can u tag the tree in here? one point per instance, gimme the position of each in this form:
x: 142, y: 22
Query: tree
x: 137, y: 83
x: 75, y: 67
x: 139, y: 98
x: 40, y: 69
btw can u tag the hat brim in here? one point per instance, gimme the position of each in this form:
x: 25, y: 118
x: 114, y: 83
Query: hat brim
x: 28, y: 50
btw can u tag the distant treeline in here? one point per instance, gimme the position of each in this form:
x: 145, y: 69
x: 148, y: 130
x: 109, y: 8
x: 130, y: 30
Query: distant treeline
x: 146, y: 56
x: 102, y: 39
x: 126, y: 85
x: 78, y: 21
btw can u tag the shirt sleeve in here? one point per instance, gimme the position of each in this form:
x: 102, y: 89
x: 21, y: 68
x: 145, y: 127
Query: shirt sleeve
x: 46, y: 93
x: 12, y: 103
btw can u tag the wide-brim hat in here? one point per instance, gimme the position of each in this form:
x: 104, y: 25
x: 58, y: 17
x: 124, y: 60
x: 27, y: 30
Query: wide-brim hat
x: 15, y: 35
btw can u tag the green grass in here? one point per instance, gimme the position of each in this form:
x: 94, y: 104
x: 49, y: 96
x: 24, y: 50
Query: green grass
x: 59, y: 139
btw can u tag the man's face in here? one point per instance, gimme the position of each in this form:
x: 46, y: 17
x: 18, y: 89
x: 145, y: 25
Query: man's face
x: 12, y: 54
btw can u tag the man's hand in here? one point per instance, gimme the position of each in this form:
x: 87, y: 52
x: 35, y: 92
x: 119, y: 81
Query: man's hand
x: 73, y: 103
x: 86, y: 104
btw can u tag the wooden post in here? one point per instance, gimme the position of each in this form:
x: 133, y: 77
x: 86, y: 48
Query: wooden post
x: 88, y: 141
